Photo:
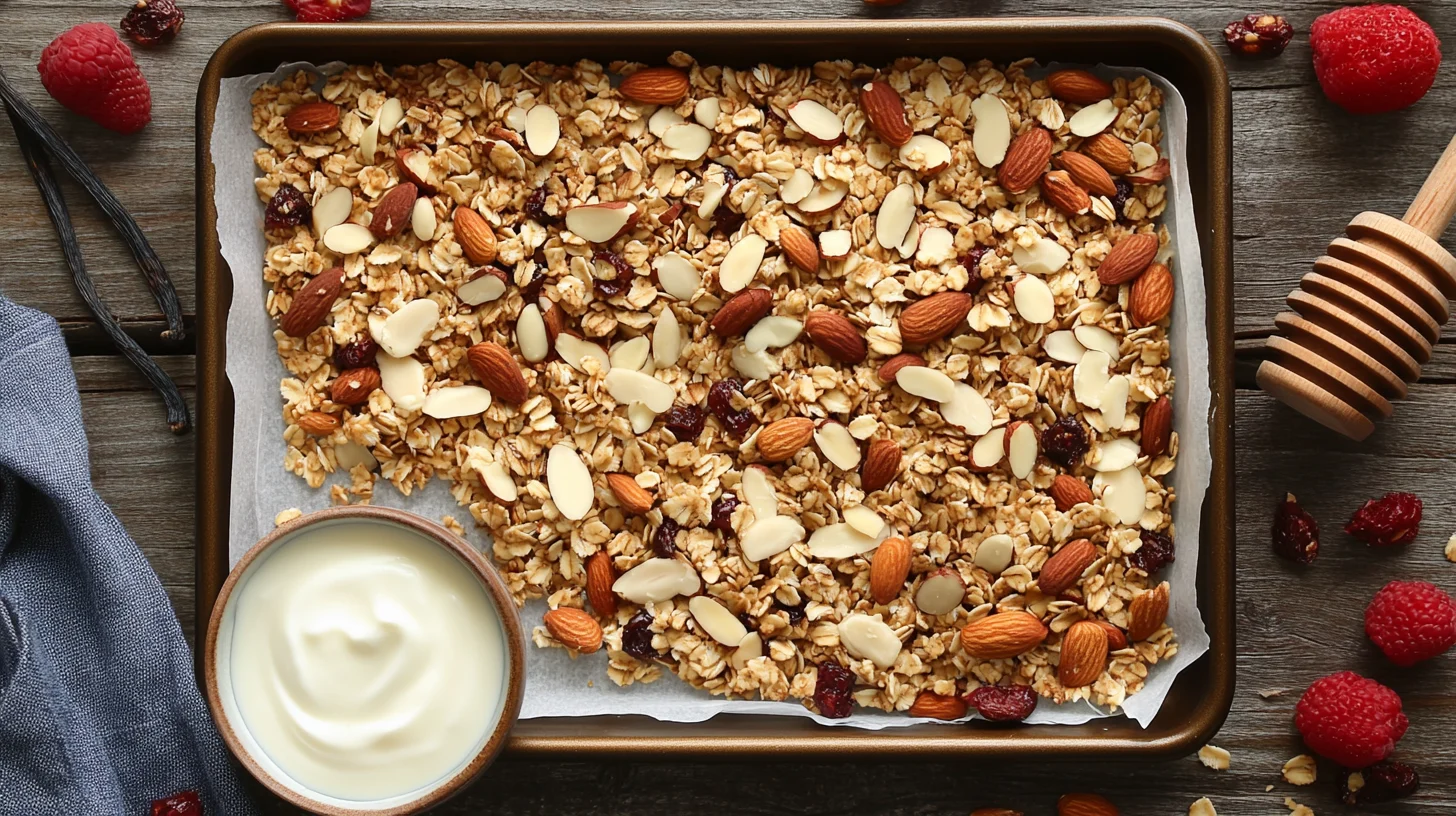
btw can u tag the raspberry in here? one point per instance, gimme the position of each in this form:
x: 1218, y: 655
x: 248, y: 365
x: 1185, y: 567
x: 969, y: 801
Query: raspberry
x: 637, y: 637
x: 1003, y: 703
x: 288, y: 207
x: 91, y: 71
x: 832, y: 691
x: 327, y: 11
x: 185, y: 803
x: 1387, y: 522
x: 1296, y: 535
x: 664, y: 542
x: 723, y: 514
x: 1350, y: 719
x: 1374, y: 59
x: 152, y: 22
x: 1065, y: 442
x: 1378, y: 783
x: 1155, y: 553
x: 1411, y: 621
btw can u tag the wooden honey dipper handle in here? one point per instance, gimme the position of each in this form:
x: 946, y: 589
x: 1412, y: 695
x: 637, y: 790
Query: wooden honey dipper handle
x: 1435, y: 204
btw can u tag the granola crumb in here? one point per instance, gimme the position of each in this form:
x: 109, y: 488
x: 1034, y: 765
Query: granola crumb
x: 286, y: 516
x: 1269, y: 694
x: 1268, y: 788
x: 1354, y: 782
x: 1203, y: 807
x: 1451, y: 548
x: 453, y: 526
x: 1300, y: 770
x: 1214, y: 757
x: 1296, y: 809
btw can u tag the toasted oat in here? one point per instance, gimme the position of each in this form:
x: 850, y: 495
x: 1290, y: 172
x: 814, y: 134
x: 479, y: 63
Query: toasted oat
x: 1451, y: 548
x: 1202, y: 807
x: 286, y: 516
x: 1269, y: 694
x: 1214, y: 757
x: 1296, y: 809
x: 1300, y: 770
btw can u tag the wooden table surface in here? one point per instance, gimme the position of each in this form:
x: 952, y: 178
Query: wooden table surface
x: 1302, y: 169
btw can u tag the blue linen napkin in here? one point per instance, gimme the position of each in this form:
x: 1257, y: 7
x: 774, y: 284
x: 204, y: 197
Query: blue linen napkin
x: 99, y: 710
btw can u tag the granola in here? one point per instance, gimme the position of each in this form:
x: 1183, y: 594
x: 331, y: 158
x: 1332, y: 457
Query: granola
x: 739, y: 182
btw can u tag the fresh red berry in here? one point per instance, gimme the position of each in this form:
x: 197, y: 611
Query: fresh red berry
x: 91, y: 71
x: 1374, y: 59
x: 1411, y: 621
x: 153, y: 22
x: 833, y: 689
x: 1350, y: 719
x: 1296, y: 535
x: 328, y: 11
x: 1388, y: 521
x: 185, y: 803
x: 1382, y: 782
x: 1258, y: 36
x: 1003, y: 703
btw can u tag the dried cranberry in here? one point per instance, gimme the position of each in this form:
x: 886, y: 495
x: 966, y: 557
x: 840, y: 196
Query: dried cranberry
x: 1390, y: 521
x: 664, y: 542
x: 637, y: 636
x: 289, y: 207
x: 795, y: 613
x: 723, y: 514
x: 720, y: 402
x: 1296, y: 535
x: 152, y: 22
x: 185, y: 803
x: 1065, y: 441
x: 536, y: 206
x: 1383, y: 782
x: 832, y: 691
x: 327, y: 11
x: 1155, y: 553
x: 1003, y: 703
x: 685, y: 422
x: 727, y: 221
x: 1124, y: 192
x: 730, y: 176
x: 358, y: 354
x: 531, y: 292
x: 972, y: 259
x: 1258, y: 36
x: 611, y: 287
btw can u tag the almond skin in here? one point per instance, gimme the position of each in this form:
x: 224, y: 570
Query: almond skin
x: 928, y: 320
x: 655, y: 86
x: 402, y: 159
x: 886, y: 111
x: 1025, y: 160
x: 881, y: 465
x: 1078, y: 86
x: 476, y: 237
x: 633, y: 498
x: 1004, y: 634
x: 1084, y: 654
x: 393, y: 211
x: 741, y: 311
x: 1069, y: 491
x: 574, y: 628
x: 498, y: 371
x: 1157, y: 427
x: 312, y: 117
x: 318, y: 423
x: 836, y: 336
x: 889, y: 569
x: 1156, y: 174
x: 783, y: 438
x: 1064, y: 569
x: 1109, y: 151
x: 1115, y: 638
x: 1085, y: 804
x: 800, y: 248
x: 1151, y: 297
x: 1058, y: 189
x: 1128, y: 258
x: 312, y: 304
x: 1147, y: 612
x: 1086, y: 172
x: 890, y: 367
x: 354, y: 386
x: 937, y: 706
x: 600, y: 575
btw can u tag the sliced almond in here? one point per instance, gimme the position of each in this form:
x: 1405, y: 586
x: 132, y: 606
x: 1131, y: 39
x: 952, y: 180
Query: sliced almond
x: 1033, y: 300
x: 912, y: 240
x: 332, y: 209
x: 687, y: 142
x: 662, y: 119
x: 403, y: 332
x: 600, y: 223
x: 666, y: 340
x: 1093, y: 119
x: 772, y: 332
x: 1096, y: 338
x: 575, y: 352
x: 369, y: 143
x: 797, y: 186
x: 896, y: 214
x: 759, y: 493
x: 937, y: 245
x: 506, y: 160
x: 716, y: 621
x: 825, y: 196
x: 485, y: 288
x: 391, y: 113
x: 1021, y: 449
x: 403, y: 380
x: 994, y: 553
x: 768, y: 537
x: 627, y: 386
x: 740, y: 265
x: 755, y: 365
x: 869, y: 638
x: 499, y: 482
x: 350, y: 455
x: 1089, y: 379
x: 570, y: 482
x: 835, y: 245
x: 543, y: 130
x: 631, y: 353
x: 865, y: 520
x: 1124, y: 494
x: 967, y: 409
x: 1114, y: 455
x: 713, y: 193
x: 456, y: 401
x: 925, y: 155
x: 422, y: 219
x: 347, y: 239
x: 677, y: 276
x: 941, y: 593
x: 926, y: 383
x: 706, y: 111
x: 1043, y: 257
x: 991, y: 134
x: 531, y: 334
x: 821, y: 124
x: 656, y: 580
x: 1064, y: 347
x: 989, y: 449
x: 837, y: 445
x: 842, y: 540
x: 641, y: 417
x: 1114, y: 402
x: 750, y: 648
x: 1144, y: 155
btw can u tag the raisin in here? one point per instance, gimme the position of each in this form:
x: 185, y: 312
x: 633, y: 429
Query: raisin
x: 611, y: 287
x: 685, y: 422
x: 723, y: 514
x: 972, y: 259
x: 795, y: 613
x: 1389, y: 521
x: 720, y: 402
x: 531, y: 292
x: 358, y: 354
x: 1382, y: 782
x: 536, y: 206
x: 1258, y: 36
x: 185, y: 803
x: 1003, y: 703
x: 832, y: 691
x: 289, y: 207
x: 664, y: 542
x: 1155, y: 553
x: 1065, y: 442
x: 152, y: 22
x: 1124, y: 192
x: 1296, y: 535
x: 637, y: 637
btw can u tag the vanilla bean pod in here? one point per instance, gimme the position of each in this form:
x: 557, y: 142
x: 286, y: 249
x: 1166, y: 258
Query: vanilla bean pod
x: 146, y: 257
x: 178, y: 416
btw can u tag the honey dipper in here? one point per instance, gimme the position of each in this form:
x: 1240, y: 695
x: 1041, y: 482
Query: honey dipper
x: 1366, y: 317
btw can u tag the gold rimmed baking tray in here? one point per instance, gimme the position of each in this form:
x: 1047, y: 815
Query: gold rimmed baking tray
x: 1201, y: 696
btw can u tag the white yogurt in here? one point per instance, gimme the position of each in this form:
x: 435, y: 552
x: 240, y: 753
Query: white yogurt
x: 365, y: 661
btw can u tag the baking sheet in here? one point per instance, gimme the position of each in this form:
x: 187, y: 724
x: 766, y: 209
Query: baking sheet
x: 558, y: 685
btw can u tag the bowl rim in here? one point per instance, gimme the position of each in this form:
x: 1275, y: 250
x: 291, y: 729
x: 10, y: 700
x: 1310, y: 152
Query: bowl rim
x: 499, y: 596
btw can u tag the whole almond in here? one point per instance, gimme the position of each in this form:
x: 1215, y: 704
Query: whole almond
x: 1058, y: 188
x: 741, y: 311
x: 1109, y: 151
x: 1064, y: 569
x: 476, y: 237
x: 886, y: 111
x: 1155, y: 174
x: 1084, y: 654
x: 1146, y: 613
x: 889, y: 569
x: 354, y: 386
x: 1115, y: 638
x: 836, y: 336
x: 1085, y: 804
x: 928, y: 320
x: 1151, y: 297
x: 575, y: 628
x: 800, y: 248
x: 1078, y: 86
x: 1086, y: 172
x: 393, y: 211
x: 318, y: 423
x: 1004, y: 634
x: 1069, y: 491
x: 1157, y: 427
x: 600, y: 575
x: 938, y: 707
x: 881, y: 465
x: 312, y: 117
x: 498, y: 371
x: 1025, y: 160
x: 1128, y: 258
x: 890, y: 367
x: 312, y: 304
x: 655, y: 86
x: 783, y: 438
x: 633, y: 498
